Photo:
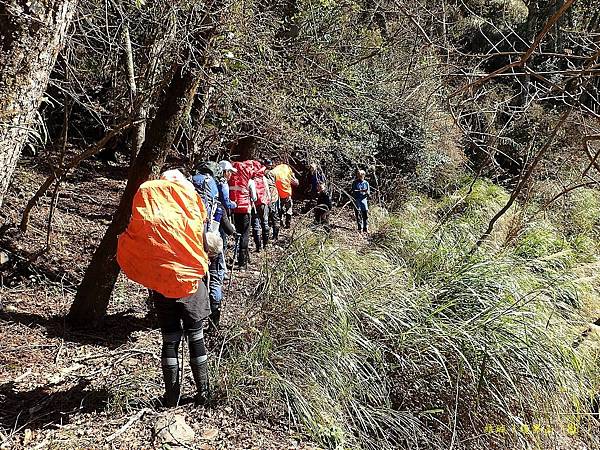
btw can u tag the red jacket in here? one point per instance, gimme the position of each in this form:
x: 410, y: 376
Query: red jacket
x: 238, y: 186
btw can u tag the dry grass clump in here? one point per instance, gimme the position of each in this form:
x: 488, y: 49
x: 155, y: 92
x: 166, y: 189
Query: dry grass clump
x: 411, y: 341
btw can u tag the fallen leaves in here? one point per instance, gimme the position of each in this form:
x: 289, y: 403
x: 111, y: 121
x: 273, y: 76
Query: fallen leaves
x: 210, y: 434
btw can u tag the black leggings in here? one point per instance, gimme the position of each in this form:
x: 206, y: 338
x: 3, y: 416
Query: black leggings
x: 170, y: 347
x: 242, y: 226
x: 175, y: 320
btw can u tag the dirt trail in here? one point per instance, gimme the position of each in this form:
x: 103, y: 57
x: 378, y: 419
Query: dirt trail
x: 64, y: 388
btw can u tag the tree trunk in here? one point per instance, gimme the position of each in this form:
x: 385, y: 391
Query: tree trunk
x: 31, y: 36
x: 93, y: 295
x: 139, y: 129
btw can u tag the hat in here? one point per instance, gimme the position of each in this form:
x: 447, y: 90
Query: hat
x: 226, y: 165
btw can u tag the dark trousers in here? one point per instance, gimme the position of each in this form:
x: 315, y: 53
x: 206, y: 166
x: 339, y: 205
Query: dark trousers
x: 177, y: 317
x: 260, y: 225
x: 322, y: 216
x: 274, y: 218
x: 362, y: 217
x: 242, y: 226
x: 286, y: 206
x: 171, y: 316
x: 215, y: 287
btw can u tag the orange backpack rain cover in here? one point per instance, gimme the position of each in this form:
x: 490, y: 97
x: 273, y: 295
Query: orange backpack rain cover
x: 162, y: 248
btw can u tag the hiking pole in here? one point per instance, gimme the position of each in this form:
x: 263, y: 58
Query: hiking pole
x: 181, y: 364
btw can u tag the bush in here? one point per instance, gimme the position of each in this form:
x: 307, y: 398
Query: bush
x: 539, y: 239
x: 585, y: 211
x: 411, y: 341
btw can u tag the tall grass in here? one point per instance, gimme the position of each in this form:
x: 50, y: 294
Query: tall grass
x: 411, y: 342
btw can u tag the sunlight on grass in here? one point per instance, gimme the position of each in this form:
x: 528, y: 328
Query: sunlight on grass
x: 414, y: 341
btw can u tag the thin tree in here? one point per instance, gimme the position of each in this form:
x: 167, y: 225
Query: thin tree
x: 94, y: 292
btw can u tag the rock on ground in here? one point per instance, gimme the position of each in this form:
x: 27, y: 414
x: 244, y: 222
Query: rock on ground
x: 174, y: 431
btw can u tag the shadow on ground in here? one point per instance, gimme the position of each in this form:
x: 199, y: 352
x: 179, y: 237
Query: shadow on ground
x: 115, y: 331
x: 40, y: 407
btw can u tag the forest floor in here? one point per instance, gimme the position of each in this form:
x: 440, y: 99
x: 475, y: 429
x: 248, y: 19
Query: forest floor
x: 63, y: 388
x: 66, y: 388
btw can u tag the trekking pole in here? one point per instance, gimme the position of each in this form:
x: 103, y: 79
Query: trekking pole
x: 181, y: 364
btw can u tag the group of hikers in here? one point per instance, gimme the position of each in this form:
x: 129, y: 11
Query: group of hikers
x: 178, y: 236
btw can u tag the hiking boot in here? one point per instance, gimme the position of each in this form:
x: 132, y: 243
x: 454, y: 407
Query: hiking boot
x: 213, y: 320
x: 242, y: 266
x: 200, y: 374
x: 202, y: 398
x: 172, y: 386
x: 242, y: 260
x: 256, y: 237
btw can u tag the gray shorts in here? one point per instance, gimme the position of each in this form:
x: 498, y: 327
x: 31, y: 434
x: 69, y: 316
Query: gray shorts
x: 190, y: 310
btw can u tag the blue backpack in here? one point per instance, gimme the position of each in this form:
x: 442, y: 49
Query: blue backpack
x: 206, y: 186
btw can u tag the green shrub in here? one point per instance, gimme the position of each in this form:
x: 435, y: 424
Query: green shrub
x: 410, y: 342
x: 539, y: 239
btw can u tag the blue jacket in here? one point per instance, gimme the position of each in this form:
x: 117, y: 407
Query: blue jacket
x: 224, y: 195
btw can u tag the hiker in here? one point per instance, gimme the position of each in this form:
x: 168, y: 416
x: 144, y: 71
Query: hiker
x: 205, y: 182
x: 361, y: 192
x: 260, y: 211
x: 164, y: 249
x: 242, y: 192
x: 217, y: 193
x: 222, y: 184
x: 227, y: 170
x: 228, y: 206
x: 316, y: 177
x: 274, y: 196
x: 323, y: 207
x: 285, y: 181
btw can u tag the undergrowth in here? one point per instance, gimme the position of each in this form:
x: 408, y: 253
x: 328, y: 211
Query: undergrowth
x: 414, y: 341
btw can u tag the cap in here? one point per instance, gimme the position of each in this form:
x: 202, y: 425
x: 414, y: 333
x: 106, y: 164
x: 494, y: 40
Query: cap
x: 226, y: 165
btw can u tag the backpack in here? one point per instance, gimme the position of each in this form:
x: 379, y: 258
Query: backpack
x: 207, y: 189
x: 272, y: 186
x: 162, y: 247
x: 211, y: 168
x: 261, y: 184
x: 238, y: 186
